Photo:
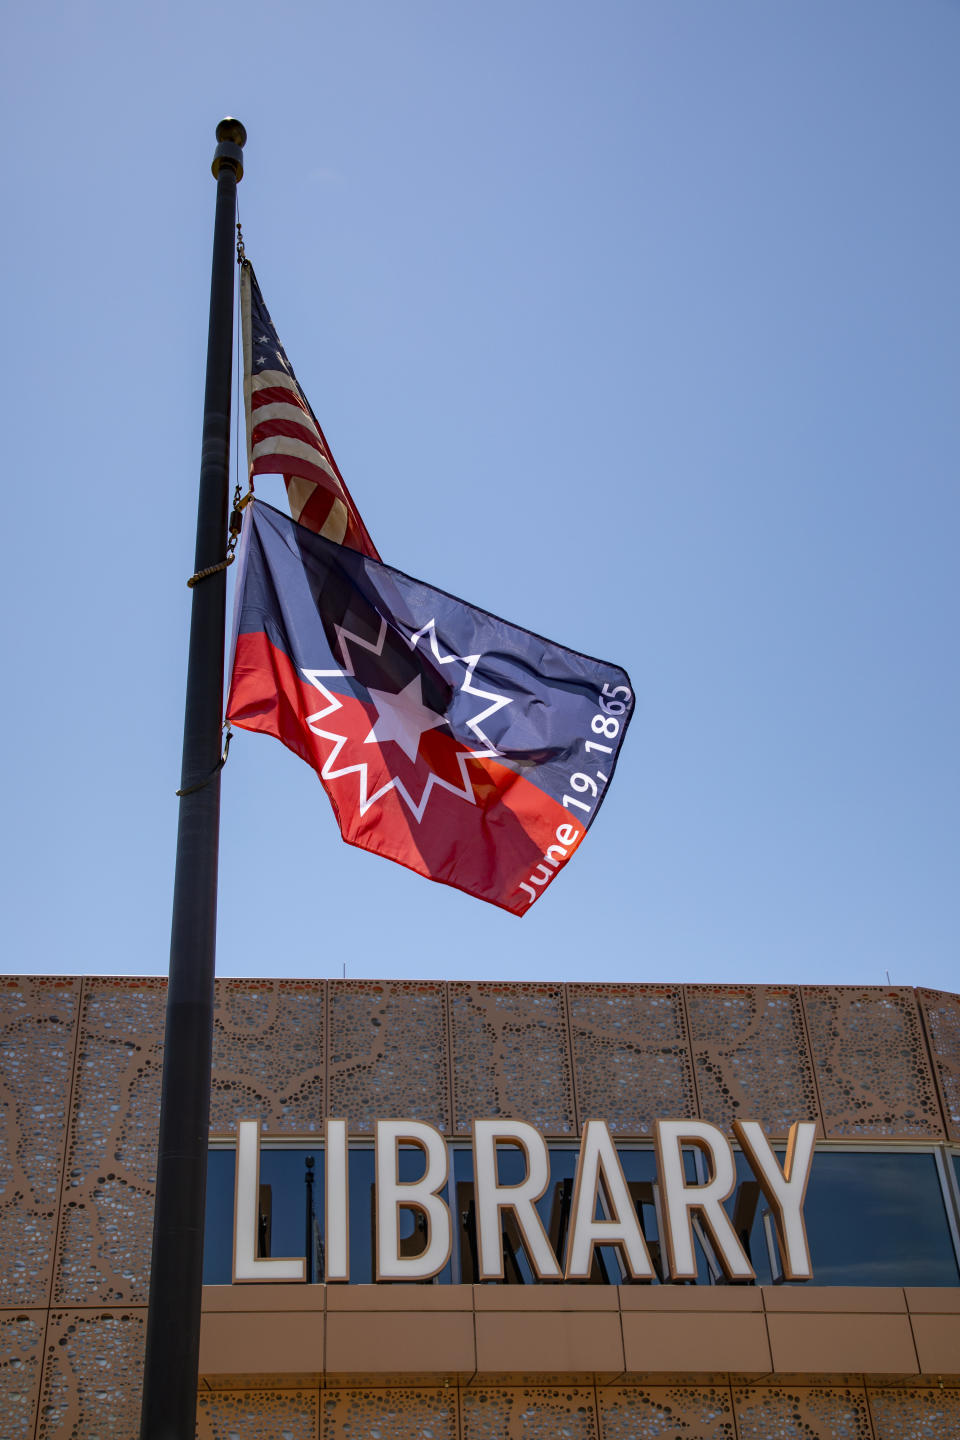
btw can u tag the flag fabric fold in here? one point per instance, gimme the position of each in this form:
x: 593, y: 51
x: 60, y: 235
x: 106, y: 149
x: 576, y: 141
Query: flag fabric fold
x: 464, y: 747
x: 283, y: 434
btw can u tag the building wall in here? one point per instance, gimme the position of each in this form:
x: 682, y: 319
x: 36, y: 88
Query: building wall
x: 79, y: 1088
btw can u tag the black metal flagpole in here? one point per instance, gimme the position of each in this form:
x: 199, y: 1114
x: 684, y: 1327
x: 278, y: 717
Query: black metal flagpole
x: 169, y: 1406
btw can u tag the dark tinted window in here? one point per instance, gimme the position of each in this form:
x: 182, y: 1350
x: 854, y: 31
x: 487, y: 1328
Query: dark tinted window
x: 218, y: 1229
x: 878, y: 1219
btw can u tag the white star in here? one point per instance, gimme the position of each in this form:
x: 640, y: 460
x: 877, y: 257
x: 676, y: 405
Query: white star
x: 330, y: 771
x: 402, y: 717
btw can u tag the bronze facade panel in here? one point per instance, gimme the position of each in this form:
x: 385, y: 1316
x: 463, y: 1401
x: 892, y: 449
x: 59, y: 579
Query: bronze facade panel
x: 529, y: 1413
x: 21, y: 1360
x: 631, y: 1056
x: 388, y: 1052
x: 751, y: 1057
x: 873, y: 1070
x: 550, y: 1342
x: 698, y: 1299
x: 268, y: 1055
x: 664, y: 1342
x: 780, y: 1412
x: 510, y: 1055
x: 835, y: 1299
x: 937, y: 1338
x: 279, y: 1342
x: 852, y: 1344
x: 106, y: 1220
x: 92, y: 1375
x: 37, y: 1038
x: 915, y: 1414
x: 400, y: 1343
x: 941, y: 1015
x: 255, y: 1414
x: 666, y: 1412
x: 402, y: 1414
x: 398, y: 1295
x: 545, y: 1297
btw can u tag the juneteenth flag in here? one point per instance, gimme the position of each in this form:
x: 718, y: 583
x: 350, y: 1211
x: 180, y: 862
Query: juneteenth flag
x: 466, y: 748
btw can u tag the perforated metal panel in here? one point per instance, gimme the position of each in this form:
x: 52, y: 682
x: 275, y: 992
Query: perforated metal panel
x: 268, y: 1055
x: 751, y: 1057
x: 389, y: 1414
x: 941, y: 1013
x: 93, y: 1375
x: 511, y: 1055
x: 873, y: 1072
x: 37, y: 1035
x: 915, y: 1414
x: 531, y: 1413
x: 21, y: 1358
x: 257, y: 1414
x: 388, y: 1052
x: 630, y: 1054
x: 666, y: 1412
x: 107, y: 1214
x: 778, y: 1412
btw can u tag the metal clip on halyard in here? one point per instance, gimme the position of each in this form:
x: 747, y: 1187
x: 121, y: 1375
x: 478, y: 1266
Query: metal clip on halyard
x: 236, y: 525
x: 192, y: 789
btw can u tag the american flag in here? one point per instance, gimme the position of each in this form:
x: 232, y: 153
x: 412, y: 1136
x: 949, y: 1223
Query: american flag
x: 283, y: 436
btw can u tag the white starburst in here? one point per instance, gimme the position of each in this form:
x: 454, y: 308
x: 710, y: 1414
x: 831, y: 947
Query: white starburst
x: 390, y: 720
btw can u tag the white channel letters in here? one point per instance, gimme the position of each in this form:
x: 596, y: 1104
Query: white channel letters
x: 685, y: 1207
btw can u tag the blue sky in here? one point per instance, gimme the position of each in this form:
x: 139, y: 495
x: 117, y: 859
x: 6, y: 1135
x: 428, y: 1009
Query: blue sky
x: 635, y: 323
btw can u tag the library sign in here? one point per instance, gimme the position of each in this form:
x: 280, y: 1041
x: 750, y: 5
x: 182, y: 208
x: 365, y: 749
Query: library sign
x: 600, y: 1185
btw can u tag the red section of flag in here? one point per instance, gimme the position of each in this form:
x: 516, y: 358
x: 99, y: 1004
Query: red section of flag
x: 503, y: 843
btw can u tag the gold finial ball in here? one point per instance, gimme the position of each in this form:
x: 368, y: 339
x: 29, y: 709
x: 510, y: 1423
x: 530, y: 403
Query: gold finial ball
x: 232, y: 130
x: 232, y: 137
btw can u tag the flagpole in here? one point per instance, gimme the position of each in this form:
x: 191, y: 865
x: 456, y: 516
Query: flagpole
x: 169, y: 1404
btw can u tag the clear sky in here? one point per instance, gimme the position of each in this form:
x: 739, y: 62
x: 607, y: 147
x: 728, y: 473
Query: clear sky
x: 636, y: 323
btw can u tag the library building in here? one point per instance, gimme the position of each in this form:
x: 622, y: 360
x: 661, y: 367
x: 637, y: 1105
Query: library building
x: 472, y: 1210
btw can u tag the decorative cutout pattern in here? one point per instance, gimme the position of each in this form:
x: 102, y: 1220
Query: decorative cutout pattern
x: 662, y: 1412
x: 751, y: 1056
x: 93, y: 1376
x: 388, y: 1052
x: 510, y: 1055
x: 630, y: 1055
x: 21, y: 1342
x: 389, y: 1414
x: 37, y: 1033
x: 915, y: 1414
x: 107, y: 1216
x: 529, y: 1414
x: 255, y: 1414
x: 941, y: 1011
x: 268, y: 1059
x: 872, y: 1068
x: 809, y: 1413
